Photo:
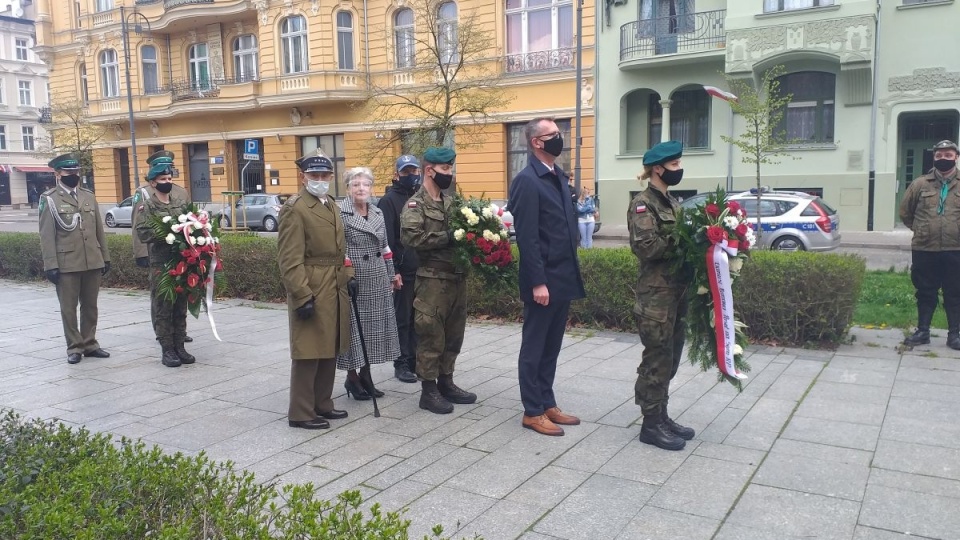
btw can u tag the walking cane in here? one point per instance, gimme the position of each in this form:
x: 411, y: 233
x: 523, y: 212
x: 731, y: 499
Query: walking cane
x: 368, y: 383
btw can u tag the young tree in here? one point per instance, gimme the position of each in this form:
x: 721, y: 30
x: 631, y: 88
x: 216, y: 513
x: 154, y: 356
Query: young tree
x: 448, y: 77
x: 71, y: 131
x: 762, y: 109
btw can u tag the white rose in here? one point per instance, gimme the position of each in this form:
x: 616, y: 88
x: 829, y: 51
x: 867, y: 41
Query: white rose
x: 209, y: 226
x: 192, y: 240
x: 702, y: 290
x: 170, y: 238
x: 182, y: 218
x: 459, y: 234
x: 736, y: 264
x: 737, y: 350
x: 487, y: 212
x: 176, y: 228
x: 465, y: 211
x: 201, y: 241
x: 166, y: 219
x: 473, y: 220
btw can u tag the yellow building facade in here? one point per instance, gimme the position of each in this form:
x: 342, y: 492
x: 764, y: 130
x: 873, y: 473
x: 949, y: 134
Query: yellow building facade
x: 207, y: 76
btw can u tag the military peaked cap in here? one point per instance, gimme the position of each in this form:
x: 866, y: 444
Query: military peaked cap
x: 64, y: 162
x: 164, y: 155
x: 946, y: 144
x: 315, y: 163
x: 662, y: 153
x: 439, y: 154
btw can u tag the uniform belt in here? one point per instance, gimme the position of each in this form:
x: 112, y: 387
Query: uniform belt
x: 439, y: 265
x: 323, y: 261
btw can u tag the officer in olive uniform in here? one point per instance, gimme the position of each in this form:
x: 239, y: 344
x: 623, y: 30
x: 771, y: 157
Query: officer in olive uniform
x: 661, y: 295
x: 319, y: 280
x: 75, y: 255
x: 931, y: 209
x: 169, y: 318
x: 440, y: 295
x: 144, y: 193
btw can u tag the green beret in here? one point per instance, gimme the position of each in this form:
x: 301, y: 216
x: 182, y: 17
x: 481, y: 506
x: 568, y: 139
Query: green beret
x: 65, y: 161
x: 161, y: 154
x: 662, y: 153
x: 158, y: 169
x: 439, y: 154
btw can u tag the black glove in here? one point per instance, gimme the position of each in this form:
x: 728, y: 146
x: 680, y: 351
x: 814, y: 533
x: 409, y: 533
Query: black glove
x: 53, y: 275
x: 353, y: 287
x: 106, y: 268
x: 305, y: 311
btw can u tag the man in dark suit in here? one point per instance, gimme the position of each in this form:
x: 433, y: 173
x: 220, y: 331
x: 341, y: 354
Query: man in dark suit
x: 546, y: 226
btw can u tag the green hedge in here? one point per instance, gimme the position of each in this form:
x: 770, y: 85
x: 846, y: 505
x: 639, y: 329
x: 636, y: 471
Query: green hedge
x: 792, y: 298
x: 57, y: 482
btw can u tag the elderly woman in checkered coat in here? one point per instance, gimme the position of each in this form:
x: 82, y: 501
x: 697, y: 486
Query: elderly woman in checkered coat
x: 372, y: 259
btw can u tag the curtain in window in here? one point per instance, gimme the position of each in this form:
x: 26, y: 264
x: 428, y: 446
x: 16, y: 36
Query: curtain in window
x: 539, y: 30
x: 665, y: 17
x: 345, y: 40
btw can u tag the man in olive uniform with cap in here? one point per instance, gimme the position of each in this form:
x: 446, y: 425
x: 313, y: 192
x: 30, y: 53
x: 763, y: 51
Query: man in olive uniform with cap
x: 75, y: 255
x: 318, y: 277
x: 145, y: 192
x: 931, y: 209
x: 169, y: 318
x: 661, y: 304
x: 440, y: 295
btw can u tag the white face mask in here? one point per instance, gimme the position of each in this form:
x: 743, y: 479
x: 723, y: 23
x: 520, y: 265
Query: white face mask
x: 318, y: 188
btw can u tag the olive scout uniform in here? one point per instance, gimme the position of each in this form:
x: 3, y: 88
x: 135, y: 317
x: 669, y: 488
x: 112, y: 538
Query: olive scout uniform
x: 169, y: 318
x: 440, y: 295
x: 315, y: 270
x: 661, y: 304
x: 931, y: 209
x: 75, y: 257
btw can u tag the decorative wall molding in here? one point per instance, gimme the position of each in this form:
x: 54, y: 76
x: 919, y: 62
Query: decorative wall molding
x: 926, y: 81
x: 586, y: 92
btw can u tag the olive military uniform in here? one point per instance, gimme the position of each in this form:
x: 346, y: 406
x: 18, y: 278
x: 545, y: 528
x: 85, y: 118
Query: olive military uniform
x: 143, y: 194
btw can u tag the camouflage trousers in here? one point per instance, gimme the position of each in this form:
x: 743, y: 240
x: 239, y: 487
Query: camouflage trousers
x: 169, y: 319
x: 662, y: 326
x: 440, y: 319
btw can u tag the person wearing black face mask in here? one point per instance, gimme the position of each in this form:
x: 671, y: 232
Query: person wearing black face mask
x: 931, y: 209
x: 406, y: 182
x: 75, y: 255
x: 661, y: 304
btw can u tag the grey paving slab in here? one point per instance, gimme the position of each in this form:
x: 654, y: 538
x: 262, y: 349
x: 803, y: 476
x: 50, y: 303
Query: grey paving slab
x: 858, y: 393
x: 209, y: 430
x: 410, y: 466
x: 396, y: 497
x: 448, y: 466
x: 929, y: 391
x: 904, y: 511
x: 844, y: 411
x: 832, y: 432
x: 789, y: 387
x: 449, y: 508
x: 866, y: 377
x: 822, y: 452
x: 548, y: 487
x: 918, y: 459
x: 599, y: 509
x: 786, y: 512
x: 506, y: 520
x: 684, y: 491
x: 915, y: 483
x: 809, y: 475
x: 723, y: 452
x: 640, y: 462
x: 654, y: 523
x: 595, y: 451
x: 869, y: 533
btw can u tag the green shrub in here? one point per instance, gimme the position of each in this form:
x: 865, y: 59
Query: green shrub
x: 56, y: 482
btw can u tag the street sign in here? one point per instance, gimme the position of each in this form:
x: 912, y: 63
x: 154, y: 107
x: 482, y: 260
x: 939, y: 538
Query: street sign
x: 251, y: 149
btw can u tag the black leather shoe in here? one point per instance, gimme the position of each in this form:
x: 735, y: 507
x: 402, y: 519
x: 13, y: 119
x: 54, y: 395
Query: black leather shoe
x: 356, y: 389
x: 184, y: 356
x: 73, y: 358
x: 316, y: 423
x: 332, y: 414
x: 658, y: 435
x: 98, y: 353
x: 187, y: 339
x: 403, y: 374
x: 953, y: 340
x: 170, y: 358
x: 920, y: 337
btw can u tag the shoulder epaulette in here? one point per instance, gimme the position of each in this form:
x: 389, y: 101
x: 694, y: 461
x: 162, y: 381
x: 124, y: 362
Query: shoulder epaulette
x: 50, y: 191
x: 292, y: 199
x: 85, y: 189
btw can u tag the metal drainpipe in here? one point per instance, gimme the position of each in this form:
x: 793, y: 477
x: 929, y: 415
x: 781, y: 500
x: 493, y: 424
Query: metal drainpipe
x: 169, y: 62
x: 366, y: 43
x: 872, y: 175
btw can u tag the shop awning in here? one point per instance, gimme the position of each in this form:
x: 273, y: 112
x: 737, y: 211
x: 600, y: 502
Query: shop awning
x: 33, y: 168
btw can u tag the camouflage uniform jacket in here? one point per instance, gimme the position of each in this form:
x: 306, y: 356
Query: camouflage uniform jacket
x: 425, y: 226
x: 145, y: 192
x: 160, y: 251
x: 650, y: 217
x: 919, y: 210
x: 71, y: 231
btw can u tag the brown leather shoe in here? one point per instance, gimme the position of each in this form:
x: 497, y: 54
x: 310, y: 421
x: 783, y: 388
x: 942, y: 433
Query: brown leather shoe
x: 559, y: 417
x: 541, y: 424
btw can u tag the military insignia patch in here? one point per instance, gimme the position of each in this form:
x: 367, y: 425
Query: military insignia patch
x: 43, y: 204
x: 136, y: 197
x: 412, y: 204
x: 641, y: 208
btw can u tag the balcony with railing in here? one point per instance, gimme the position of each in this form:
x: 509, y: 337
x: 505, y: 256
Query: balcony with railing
x: 693, y: 34
x: 540, y: 61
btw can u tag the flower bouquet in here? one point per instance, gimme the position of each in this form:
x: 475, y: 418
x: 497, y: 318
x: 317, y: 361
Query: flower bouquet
x: 483, y: 242
x: 714, y: 239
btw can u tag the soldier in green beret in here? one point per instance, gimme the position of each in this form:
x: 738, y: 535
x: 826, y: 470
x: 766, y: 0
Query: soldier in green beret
x: 440, y: 294
x: 661, y: 305
x: 75, y: 255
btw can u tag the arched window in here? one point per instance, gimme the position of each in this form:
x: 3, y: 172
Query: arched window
x: 199, y: 64
x: 84, y: 89
x: 403, y: 38
x: 690, y: 117
x: 150, y: 70
x: 245, y: 58
x: 639, y: 129
x: 293, y: 44
x: 809, y: 115
x: 447, y: 33
x: 109, y: 74
x: 345, y: 40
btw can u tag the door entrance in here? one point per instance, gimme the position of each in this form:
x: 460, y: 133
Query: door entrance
x: 199, y: 173
x: 918, y: 133
x: 250, y: 172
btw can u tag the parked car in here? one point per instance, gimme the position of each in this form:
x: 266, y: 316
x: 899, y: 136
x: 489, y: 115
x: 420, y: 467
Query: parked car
x: 508, y: 220
x: 120, y: 215
x: 262, y: 211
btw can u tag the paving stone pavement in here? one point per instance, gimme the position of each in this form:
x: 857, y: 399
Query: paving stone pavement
x: 861, y: 443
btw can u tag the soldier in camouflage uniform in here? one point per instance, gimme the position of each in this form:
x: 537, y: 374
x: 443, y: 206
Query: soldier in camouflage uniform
x: 169, y: 319
x: 144, y: 193
x: 661, y: 305
x: 75, y: 255
x: 440, y: 295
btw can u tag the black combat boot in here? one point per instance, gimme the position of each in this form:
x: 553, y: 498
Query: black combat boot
x: 953, y: 339
x: 655, y: 432
x: 453, y: 393
x: 922, y: 335
x: 170, y: 358
x: 185, y: 357
x: 431, y: 400
x: 683, y: 432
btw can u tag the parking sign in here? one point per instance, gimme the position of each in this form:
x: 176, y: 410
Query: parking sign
x: 251, y: 149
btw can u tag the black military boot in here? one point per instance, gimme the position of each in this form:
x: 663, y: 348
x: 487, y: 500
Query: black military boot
x: 431, y: 400
x: 953, y: 340
x: 655, y: 432
x: 453, y: 393
x: 920, y: 337
x: 683, y: 432
x: 185, y: 357
x: 170, y: 358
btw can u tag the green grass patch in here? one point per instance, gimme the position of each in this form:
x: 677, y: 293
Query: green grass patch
x: 887, y: 301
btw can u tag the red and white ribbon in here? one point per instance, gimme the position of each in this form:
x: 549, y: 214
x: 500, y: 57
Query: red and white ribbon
x: 721, y: 290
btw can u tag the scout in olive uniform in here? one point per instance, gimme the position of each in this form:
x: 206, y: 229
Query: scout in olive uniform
x: 144, y: 193
x: 75, y: 255
x: 440, y: 295
x: 318, y: 278
x: 661, y: 295
x: 931, y: 209
x: 169, y: 319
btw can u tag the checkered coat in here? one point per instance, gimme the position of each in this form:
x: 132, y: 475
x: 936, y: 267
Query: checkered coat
x: 373, y: 262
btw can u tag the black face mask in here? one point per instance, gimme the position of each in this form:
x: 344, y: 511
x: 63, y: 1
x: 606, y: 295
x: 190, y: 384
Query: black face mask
x: 164, y: 187
x: 70, y: 180
x: 671, y: 178
x: 410, y: 182
x: 945, y: 165
x: 442, y: 181
x: 553, y: 146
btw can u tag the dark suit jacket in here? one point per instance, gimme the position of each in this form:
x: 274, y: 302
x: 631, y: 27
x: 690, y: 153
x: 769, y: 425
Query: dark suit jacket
x: 392, y: 204
x: 546, y: 226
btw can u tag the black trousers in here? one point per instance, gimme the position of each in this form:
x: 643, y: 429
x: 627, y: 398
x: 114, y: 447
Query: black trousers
x: 930, y: 272
x: 542, y: 337
x: 403, y: 306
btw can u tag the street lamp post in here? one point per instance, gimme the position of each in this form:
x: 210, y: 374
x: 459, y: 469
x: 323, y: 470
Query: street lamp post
x: 125, y: 30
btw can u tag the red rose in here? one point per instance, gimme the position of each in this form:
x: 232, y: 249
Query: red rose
x: 715, y: 234
x: 471, y: 236
x: 741, y: 230
x: 734, y: 206
x: 193, y: 280
x: 712, y: 210
x: 488, y: 259
x: 476, y: 260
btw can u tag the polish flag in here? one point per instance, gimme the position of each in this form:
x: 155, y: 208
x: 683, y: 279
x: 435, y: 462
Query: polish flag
x: 722, y: 94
